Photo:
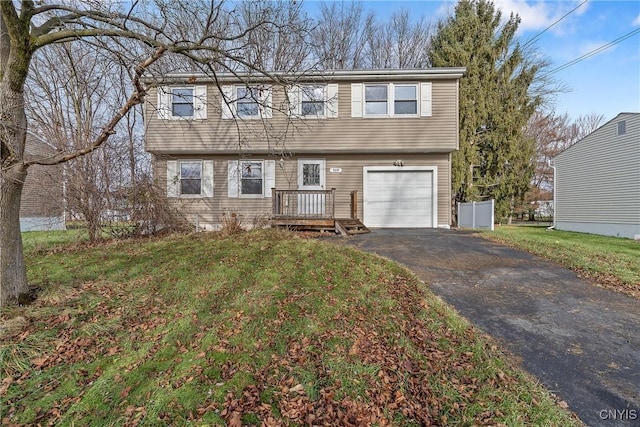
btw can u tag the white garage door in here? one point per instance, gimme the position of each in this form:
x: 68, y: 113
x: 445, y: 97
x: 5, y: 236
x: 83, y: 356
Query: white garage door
x: 399, y: 197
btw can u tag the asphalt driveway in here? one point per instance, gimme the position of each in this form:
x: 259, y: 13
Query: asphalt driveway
x: 581, y: 341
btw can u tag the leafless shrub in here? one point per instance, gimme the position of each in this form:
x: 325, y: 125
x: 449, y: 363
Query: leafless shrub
x: 231, y: 223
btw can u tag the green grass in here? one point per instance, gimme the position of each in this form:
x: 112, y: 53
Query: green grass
x: 263, y: 327
x: 611, y: 261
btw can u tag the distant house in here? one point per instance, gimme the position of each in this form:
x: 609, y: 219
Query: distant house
x: 598, y: 181
x: 374, y: 145
x: 42, y: 206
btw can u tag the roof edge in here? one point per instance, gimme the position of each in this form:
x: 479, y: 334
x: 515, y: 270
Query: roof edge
x: 329, y: 75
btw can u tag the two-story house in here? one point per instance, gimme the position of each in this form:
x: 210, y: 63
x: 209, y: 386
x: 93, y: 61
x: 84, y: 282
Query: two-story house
x: 375, y: 145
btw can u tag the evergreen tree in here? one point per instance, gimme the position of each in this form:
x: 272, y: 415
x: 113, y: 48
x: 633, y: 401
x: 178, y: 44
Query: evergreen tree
x: 495, y: 159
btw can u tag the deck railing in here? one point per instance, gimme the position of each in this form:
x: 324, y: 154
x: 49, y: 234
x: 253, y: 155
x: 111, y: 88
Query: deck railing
x: 306, y: 204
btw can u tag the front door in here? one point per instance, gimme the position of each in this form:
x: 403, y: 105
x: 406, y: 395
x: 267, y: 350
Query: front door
x: 311, y: 177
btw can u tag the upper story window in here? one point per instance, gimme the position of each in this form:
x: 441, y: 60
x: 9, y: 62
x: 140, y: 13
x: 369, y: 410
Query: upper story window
x: 190, y: 178
x: 246, y: 102
x: 622, y: 127
x: 376, y: 99
x: 310, y: 101
x: 313, y: 99
x: 405, y: 99
x: 183, y: 102
x: 391, y: 99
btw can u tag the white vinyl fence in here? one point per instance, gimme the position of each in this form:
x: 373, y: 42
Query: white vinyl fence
x: 476, y: 215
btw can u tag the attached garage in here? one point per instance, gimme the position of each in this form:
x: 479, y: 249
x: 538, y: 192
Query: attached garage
x: 396, y: 197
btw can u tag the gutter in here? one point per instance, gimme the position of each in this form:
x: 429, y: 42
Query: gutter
x: 314, y: 76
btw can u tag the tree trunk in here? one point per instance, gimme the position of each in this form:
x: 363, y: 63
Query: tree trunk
x: 13, y: 277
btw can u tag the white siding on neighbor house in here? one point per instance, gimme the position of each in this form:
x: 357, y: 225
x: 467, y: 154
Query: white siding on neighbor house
x: 598, y: 181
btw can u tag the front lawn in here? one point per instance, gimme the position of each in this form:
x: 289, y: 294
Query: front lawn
x: 611, y: 261
x: 261, y: 328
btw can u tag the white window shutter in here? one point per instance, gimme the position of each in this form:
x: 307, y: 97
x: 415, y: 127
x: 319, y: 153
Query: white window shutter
x: 200, y: 102
x: 295, y: 101
x: 164, y: 102
x: 207, y: 178
x: 425, y: 99
x: 233, y: 175
x: 265, y: 104
x: 269, y: 177
x: 332, y: 100
x: 356, y: 99
x: 173, y: 179
x: 228, y: 102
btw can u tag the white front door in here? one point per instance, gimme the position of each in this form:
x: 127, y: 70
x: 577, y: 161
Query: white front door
x: 311, y: 177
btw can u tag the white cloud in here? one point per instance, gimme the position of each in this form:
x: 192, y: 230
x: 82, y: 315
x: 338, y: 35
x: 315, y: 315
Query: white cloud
x: 538, y: 15
x: 636, y: 22
x: 534, y: 16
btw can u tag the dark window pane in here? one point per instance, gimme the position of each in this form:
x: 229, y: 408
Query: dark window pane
x: 251, y: 186
x: 190, y: 186
x: 406, y: 107
x: 312, y: 108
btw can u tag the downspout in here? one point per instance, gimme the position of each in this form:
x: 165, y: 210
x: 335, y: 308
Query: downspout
x: 552, y: 165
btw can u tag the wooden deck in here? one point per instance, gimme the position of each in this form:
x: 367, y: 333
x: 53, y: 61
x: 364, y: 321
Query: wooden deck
x: 314, y: 210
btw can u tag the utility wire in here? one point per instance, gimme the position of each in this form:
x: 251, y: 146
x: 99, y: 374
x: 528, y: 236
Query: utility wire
x: 593, y: 52
x: 554, y: 24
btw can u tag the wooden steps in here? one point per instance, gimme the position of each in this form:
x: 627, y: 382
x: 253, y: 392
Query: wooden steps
x: 343, y: 226
x: 350, y: 226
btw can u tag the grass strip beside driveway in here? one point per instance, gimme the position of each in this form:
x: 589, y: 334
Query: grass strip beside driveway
x: 611, y: 262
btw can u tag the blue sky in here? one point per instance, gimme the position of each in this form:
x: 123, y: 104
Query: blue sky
x: 606, y: 83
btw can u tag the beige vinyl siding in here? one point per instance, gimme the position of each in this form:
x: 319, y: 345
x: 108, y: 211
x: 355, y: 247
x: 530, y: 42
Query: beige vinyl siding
x: 208, y: 211
x: 598, y: 179
x: 437, y: 133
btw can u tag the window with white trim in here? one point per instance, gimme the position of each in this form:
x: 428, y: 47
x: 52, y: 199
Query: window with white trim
x: 312, y: 101
x: 190, y: 178
x: 246, y: 102
x: 251, y: 178
x: 376, y: 100
x: 391, y: 99
x: 182, y: 102
x: 405, y: 100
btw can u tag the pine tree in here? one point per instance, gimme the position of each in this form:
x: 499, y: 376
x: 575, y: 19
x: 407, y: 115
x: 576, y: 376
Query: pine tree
x: 495, y: 159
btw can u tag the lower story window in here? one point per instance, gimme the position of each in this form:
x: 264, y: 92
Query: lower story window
x: 251, y: 178
x: 191, y: 177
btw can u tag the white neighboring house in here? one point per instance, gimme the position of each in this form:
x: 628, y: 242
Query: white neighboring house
x: 597, y: 182
x: 42, y: 204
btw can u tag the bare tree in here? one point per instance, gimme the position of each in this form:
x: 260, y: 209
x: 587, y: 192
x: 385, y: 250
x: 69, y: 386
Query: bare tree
x: 338, y: 38
x: 398, y: 43
x: 206, y: 33
x: 553, y: 134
